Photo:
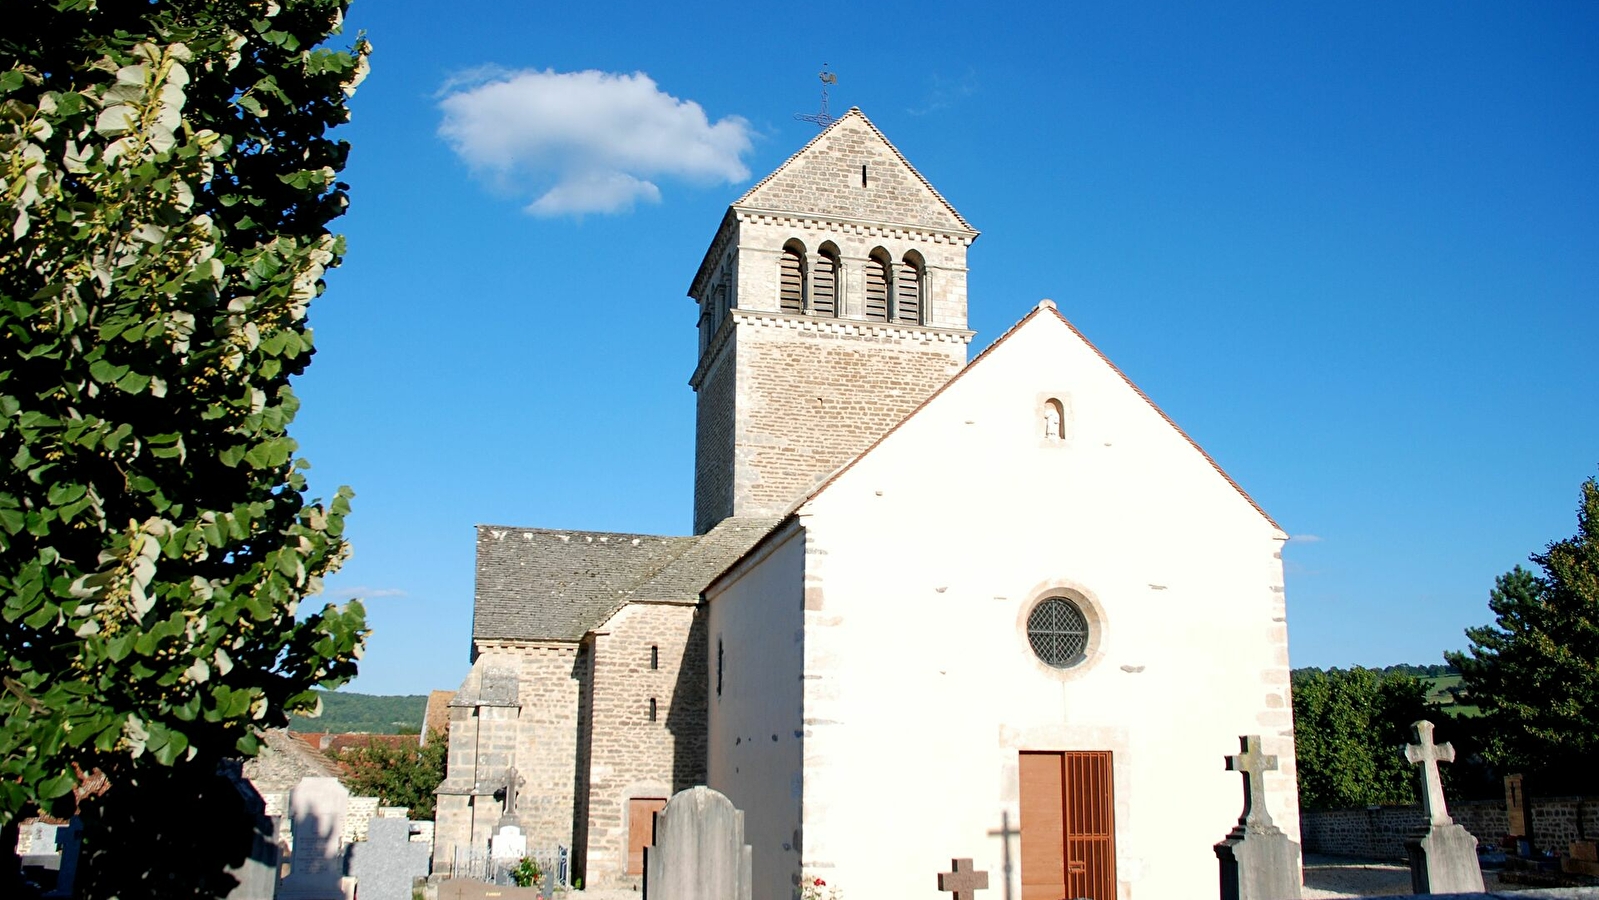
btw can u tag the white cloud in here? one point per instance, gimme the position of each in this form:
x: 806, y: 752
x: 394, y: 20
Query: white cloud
x: 364, y: 593
x: 586, y: 142
x: 1306, y: 539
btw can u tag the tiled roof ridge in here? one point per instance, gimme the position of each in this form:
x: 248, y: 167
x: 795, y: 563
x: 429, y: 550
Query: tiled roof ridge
x: 579, y: 531
x: 855, y: 111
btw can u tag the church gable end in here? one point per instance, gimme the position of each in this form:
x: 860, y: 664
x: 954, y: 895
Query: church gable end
x: 851, y: 171
x: 1078, y: 367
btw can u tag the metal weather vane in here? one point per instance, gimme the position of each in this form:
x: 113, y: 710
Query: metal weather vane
x: 823, y: 118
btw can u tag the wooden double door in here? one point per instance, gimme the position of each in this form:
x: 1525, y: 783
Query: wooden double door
x: 1068, y: 828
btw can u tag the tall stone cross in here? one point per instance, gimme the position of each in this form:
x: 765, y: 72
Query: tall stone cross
x: 512, y: 784
x: 1429, y: 755
x: 1254, y: 765
x: 964, y: 881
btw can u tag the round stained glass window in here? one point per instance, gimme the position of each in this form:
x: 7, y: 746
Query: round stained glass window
x: 1058, y: 632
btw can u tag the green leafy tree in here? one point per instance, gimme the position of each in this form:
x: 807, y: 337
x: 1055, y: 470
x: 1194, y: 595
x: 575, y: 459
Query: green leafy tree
x: 168, y: 181
x: 399, y: 776
x: 1535, y: 672
x: 1350, y: 728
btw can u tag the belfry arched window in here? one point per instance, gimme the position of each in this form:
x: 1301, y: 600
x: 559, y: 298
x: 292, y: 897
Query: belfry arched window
x: 824, y: 282
x: 908, y: 278
x: 877, y: 266
x: 791, y: 279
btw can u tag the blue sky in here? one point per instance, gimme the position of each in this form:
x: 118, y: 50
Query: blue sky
x: 1353, y: 250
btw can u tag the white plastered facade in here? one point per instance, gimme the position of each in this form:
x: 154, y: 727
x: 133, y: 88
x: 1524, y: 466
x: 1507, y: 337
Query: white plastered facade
x: 875, y: 649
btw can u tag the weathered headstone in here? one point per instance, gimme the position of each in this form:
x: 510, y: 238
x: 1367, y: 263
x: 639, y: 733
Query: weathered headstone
x: 1258, y: 861
x: 70, y: 840
x: 699, y: 851
x: 1443, y: 858
x: 317, y: 807
x: 508, y: 844
x: 963, y: 881
x: 387, y: 863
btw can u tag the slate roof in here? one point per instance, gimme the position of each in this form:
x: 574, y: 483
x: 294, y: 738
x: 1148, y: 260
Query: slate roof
x: 545, y: 584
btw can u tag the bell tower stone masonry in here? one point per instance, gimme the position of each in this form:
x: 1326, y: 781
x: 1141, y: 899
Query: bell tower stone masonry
x: 832, y: 303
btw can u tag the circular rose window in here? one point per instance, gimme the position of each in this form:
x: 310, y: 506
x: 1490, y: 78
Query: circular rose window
x: 1058, y: 632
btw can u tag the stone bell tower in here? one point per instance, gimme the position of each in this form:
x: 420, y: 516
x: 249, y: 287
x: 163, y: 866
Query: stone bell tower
x: 832, y: 303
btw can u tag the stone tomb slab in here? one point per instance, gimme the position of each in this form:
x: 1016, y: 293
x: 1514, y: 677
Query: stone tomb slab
x: 388, y: 862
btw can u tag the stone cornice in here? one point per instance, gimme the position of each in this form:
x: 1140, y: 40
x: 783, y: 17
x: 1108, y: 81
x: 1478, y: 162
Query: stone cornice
x: 847, y: 225
x: 486, y: 644
x: 768, y: 319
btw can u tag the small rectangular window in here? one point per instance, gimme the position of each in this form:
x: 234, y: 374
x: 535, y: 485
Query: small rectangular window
x: 652, y: 709
x: 655, y: 656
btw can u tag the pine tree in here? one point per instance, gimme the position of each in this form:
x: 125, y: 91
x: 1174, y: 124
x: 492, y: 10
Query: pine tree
x: 1535, y: 671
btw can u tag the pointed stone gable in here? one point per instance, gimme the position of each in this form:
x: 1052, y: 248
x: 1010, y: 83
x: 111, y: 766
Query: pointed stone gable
x: 824, y: 180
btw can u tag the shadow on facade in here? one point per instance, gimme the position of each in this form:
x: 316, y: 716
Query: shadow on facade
x: 686, y: 717
x: 583, y: 671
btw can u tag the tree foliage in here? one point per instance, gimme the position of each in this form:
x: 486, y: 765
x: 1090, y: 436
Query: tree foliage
x: 1535, y: 671
x: 1350, y: 728
x: 168, y: 181
x: 399, y: 776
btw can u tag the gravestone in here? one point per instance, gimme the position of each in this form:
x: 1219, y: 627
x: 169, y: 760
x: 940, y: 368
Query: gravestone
x: 508, y: 844
x: 1517, y: 813
x: 1258, y: 861
x: 1443, y: 858
x: 699, y: 851
x: 257, y: 873
x: 963, y: 881
x: 316, y: 806
x: 387, y: 863
x: 36, y: 843
x: 70, y: 840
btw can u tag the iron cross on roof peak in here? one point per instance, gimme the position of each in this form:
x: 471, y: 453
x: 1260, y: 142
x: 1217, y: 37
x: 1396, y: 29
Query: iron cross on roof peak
x: 823, y: 118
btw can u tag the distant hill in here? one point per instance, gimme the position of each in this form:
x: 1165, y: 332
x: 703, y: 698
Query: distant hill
x: 1444, y: 680
x: 369, y: 713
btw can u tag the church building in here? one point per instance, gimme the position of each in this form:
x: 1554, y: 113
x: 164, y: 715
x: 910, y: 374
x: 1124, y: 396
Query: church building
x: 1003, y: 609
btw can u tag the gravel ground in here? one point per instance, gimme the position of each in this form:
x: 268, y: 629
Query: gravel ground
x: 1339, y: 876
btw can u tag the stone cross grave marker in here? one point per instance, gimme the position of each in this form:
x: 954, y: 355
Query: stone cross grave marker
x: 1258, y: 861
x: 699, y: 851
x: 964, y: 881
x: 317, y: 807
x: 1429, y: 755
x: 513, y: 784
x: 1443, y: 857
x: 387, y: 862
x: 1254, y: 765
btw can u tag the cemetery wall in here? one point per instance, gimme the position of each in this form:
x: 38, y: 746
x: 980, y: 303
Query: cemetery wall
x: 1379, y: 832
x: 924, y: 561
x: 646, y: 653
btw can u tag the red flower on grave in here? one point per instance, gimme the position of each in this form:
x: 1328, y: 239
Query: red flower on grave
x: 819, y: 883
